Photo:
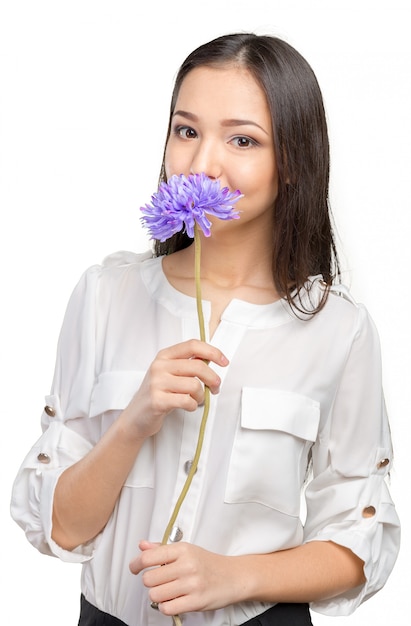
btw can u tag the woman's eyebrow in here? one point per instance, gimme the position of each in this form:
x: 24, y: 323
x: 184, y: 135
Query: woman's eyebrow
x: 237, y: 122
x: 187, y: 115
x: 227, y: 123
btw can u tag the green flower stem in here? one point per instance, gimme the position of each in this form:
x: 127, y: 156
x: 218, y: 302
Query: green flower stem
x: 206, y: 407
x: 197, y: 276
x: 193, y: 468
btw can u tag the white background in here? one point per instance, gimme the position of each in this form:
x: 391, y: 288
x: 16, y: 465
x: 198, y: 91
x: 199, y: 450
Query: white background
x: 84, y: 96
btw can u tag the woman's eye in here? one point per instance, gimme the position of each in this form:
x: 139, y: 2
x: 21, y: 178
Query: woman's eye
x: 185, y: 132
x: 243, y: 142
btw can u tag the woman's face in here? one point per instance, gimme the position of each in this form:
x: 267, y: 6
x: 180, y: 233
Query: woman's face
x: 222, y: 126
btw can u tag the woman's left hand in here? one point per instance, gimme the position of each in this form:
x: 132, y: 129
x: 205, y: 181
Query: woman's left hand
x: 183, y: 577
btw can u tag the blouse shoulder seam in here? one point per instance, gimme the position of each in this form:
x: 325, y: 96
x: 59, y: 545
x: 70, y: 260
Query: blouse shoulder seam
x: 124, y: 258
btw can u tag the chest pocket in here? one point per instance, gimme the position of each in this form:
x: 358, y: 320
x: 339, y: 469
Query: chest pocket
x: 112, y: 393
x: 270, y: 451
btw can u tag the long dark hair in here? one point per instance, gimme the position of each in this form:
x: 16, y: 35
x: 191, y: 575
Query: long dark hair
x: 303, y: 239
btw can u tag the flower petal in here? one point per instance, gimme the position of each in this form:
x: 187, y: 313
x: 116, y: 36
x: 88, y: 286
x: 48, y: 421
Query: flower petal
x: 184, y: 201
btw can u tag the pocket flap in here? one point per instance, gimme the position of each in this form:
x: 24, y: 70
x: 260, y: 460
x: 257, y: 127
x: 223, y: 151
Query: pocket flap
x: 271, y: 409
x: 114, y: 391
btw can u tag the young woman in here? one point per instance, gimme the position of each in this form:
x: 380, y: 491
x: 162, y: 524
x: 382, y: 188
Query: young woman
x: 292, y: 363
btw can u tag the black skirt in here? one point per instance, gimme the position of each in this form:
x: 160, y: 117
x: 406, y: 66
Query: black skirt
x: 283, y: 614
x: 92, y: 616
x: 279, y: 615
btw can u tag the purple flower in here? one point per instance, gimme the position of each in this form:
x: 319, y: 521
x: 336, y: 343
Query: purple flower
x: 184, y: 201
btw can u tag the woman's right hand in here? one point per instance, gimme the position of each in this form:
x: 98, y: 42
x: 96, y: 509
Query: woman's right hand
x: 87, y: 491
x: 175, y: 380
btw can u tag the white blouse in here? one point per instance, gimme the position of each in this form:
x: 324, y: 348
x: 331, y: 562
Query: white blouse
x: 295, y: 389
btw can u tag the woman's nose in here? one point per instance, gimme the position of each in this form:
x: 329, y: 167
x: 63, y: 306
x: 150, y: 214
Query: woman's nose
x: 206, y: 159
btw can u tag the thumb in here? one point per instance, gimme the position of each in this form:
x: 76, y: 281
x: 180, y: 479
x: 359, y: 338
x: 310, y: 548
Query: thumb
x: 136, y: 565
x: 148, y: 545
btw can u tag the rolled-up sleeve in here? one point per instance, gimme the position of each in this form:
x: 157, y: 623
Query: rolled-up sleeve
x: 66, y: 434
x: 348, y: 501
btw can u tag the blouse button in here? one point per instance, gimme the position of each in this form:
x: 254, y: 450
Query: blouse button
x: 50, y: 410
x: 368, y: 511
x: 383, y: 463
x: 187, y: 466
x: 176, y: 534
x: 43, y: 458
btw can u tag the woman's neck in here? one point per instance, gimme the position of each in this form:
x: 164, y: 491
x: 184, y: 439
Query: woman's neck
x: 228, y: 271
x: 227, y: 264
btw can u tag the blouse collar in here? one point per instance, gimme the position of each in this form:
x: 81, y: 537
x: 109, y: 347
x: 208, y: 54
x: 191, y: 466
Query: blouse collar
x: 237, y: 311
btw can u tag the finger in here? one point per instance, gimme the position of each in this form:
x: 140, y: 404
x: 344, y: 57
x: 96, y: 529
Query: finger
x: 183, y: 376
x: 193, y: 382
x: 197, y: 349
x: 148, y: 545
x: 195, y: 369
x: 162, y: 594
x: 151, y: 555
x: 176, y: 605
x: 166, y: 401
x: 160, y: 576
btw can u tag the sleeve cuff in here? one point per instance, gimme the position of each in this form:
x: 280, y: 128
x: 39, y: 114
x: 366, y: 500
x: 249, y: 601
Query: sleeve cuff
x: 379, y: 556
x: 80, y: 554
